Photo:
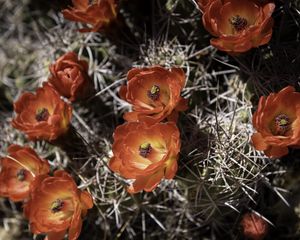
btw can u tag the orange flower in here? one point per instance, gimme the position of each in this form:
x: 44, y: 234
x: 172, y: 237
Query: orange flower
x: 42, y: 116
x: 18, y: 170
x: 57, y: 205
x: 277, y: 121
x: 98, y: 14
x: 154, y: 93
x: 254, y: 227
x: 145, y: 153
x: 70, y: 77
x: 238, y: 25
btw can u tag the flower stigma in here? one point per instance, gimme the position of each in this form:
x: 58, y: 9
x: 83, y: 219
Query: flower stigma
x: 282, y: 124
x: 42, y: 114
x: 21, y: 175
x: 239, y: 23
x: 57, y: 205
x: 154, y: 92
x: 145, y: 149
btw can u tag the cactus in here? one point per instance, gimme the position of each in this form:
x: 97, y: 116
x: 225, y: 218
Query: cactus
x: 220, y: 175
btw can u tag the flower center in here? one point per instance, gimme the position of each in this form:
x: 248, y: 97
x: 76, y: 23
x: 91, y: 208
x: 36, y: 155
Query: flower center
x: 282, y: 124
x: 239, y: 23
x: 154, y: 92
x: 67, y: 71
x: 21, y: 175
x: 145, y: 149
x: 42, y: 114
x: 57, y: 205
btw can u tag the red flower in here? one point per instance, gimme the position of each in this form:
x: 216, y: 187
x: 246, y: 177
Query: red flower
x: 42, y: 116
x: 18, y: 170
x: 70, y: 77
x: 238, y: 25
x: 145, y: 153
x: 254, y: 227
x: 57, y: 205
x: 98, y: 14
x: 277, y: 121
x: 154, y: 93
